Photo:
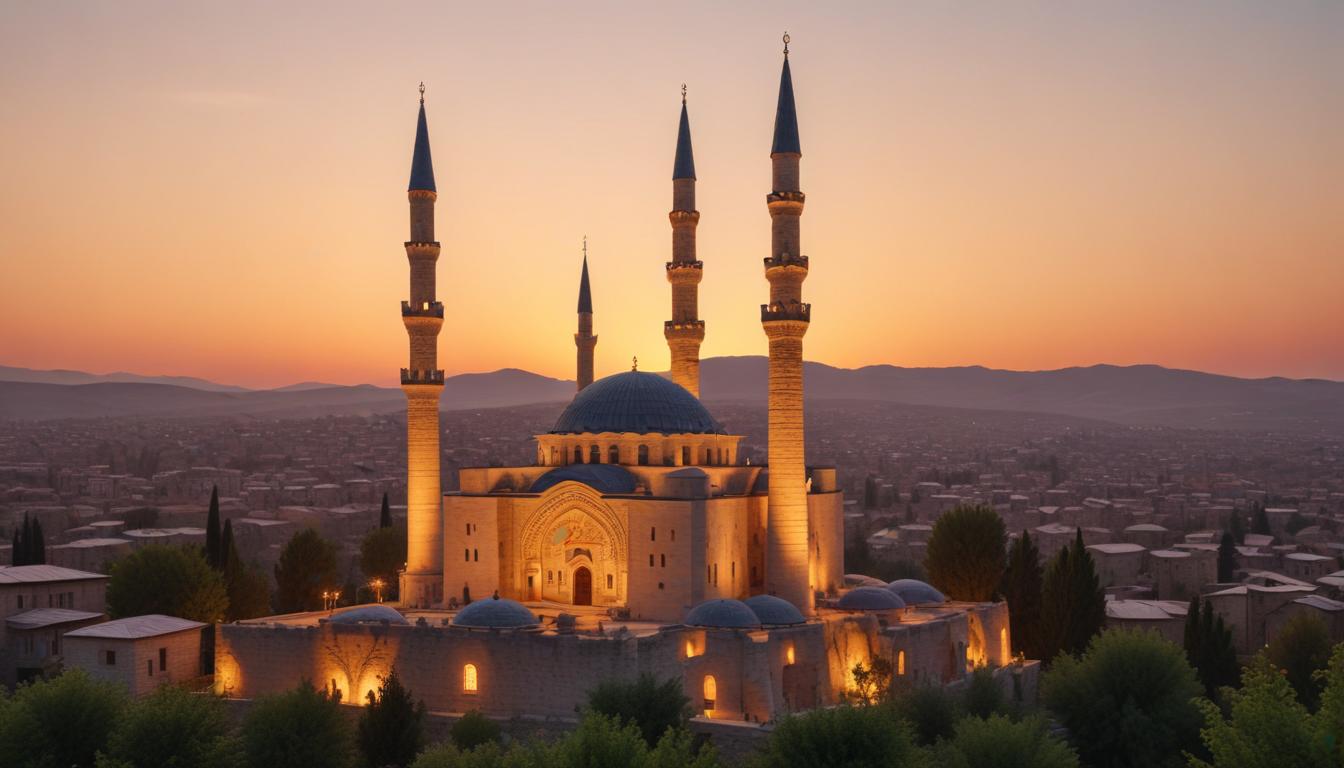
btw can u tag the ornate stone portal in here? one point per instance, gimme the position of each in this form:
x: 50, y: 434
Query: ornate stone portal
x: 574, y: 549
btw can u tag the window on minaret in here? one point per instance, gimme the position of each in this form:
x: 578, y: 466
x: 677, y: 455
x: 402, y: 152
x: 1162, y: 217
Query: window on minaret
x: 653, y: 534
x: 466, y: 555
x: 595, y: 455
x: 662, y: 560
x: 674, y: 534
x: 475, y: 556
x: 468, y: 529
x: 650, y: 560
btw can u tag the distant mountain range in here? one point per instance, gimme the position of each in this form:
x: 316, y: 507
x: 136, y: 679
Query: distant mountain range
x: 1136, y: 395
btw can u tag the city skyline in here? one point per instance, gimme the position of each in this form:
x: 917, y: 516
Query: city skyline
x: 1154, y: 187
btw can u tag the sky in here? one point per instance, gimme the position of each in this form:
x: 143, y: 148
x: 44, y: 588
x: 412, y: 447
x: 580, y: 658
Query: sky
x: 218, y: 190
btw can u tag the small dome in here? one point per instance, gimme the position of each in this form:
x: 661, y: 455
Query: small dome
x: 916, y: 592
x: 869, y: 599
x: 495, y: 613
x: 692, y: 473
x: 368, y: 614
x: 604, y: 478
x: 637, y: 402
x: 725, y: 614
x: 859, y: 580
x: 774, y: 611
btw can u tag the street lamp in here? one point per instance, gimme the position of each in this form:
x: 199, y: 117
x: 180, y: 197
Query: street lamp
x: 378, y: 585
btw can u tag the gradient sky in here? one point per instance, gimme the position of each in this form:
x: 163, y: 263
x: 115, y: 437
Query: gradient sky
x: 218, y: 189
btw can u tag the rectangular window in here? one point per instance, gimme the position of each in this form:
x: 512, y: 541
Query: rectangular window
x: 475, y: 556
x: 674, y: 534
x: 716, y: 574
x: 650, y: 560
x: 163, y: 659
x: 653, y: 534
x: 662, y: 560
x: 608, y: 581
x: 110, y: 658
x: 468, y: 529
x: 149, y: 667
x: 466, y: 555
x: 20, y: 602
x: 70, y: 596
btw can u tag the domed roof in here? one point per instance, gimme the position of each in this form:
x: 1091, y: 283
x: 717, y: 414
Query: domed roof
x: 916, y: 592
x: 860, y: 580
x: 869, y: 599
x: 368, y: 614
x: 774, y: 611
x: 638, y: 402
x: 495, y: 613
x: 726, y: 614
x: 606, y: 478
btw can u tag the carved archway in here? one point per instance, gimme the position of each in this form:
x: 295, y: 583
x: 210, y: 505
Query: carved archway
x: 574, y: 525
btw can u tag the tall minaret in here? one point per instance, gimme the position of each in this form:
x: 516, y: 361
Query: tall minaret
x: 685, y: 330
x: 786, y: 319
x: 584, y: 339
x: 422, y: 582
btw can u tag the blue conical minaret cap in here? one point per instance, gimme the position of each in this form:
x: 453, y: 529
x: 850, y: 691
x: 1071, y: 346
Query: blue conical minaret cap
x: 422, y: 165
x: 684, y: 166
x: 585, y: 293
x: 786, y: 117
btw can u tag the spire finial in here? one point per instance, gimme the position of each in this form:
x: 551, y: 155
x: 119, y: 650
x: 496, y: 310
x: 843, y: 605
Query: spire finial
x: 422, y: 91
x: 585, y: 247
x: 786, y: 45
x: 634, y: 363
x: 683, y: 93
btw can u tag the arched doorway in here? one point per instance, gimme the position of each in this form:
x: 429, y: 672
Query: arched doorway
x: 583, y: 586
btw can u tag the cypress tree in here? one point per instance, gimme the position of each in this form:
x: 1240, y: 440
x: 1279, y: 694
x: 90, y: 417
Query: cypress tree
x: 1073, y: 604
x: 1260, y: 520
x: 385, y: 517
x: 213, y: 554
x: 227, y: 549
x: 1022, y: 590
x: 37, y: 547
x: 14, y: 548
x: 1227, y: 558
x: 1208, y: 648
x: 1190, y: 639
x: 25, y: 542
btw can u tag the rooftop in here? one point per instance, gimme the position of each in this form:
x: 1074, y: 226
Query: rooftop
x: 48, y: 617
x: 636, y: 402
x: 37, y: 574
x: 136, y: 627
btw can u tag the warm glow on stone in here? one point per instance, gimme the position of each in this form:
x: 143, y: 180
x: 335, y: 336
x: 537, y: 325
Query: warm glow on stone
x: 469, y: 678
x: 788, y: 655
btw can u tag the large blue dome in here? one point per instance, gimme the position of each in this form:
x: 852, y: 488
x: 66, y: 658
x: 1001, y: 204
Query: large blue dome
x: 495, y: 613
x: 638, y: 402
x: 722, y: 614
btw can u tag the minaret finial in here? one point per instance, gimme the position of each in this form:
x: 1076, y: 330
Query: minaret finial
x: 786, y: 45
x: 585, y: 247
x: 634, y: 363
x: 683, y: 93
x: 422, y: 91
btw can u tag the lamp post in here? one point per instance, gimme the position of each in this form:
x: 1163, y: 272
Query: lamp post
x: 377, y: 585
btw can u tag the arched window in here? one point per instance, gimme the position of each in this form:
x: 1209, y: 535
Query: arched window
x: 1005, y: 653
x: 711, y: 693
x: 643, y: 455
x: 708, y: 458
x: 900, y: 663
x: 469, y: 678
x: 788, y: 654
x: 613, y: 455
x: 595, y: 455
x: 578, y: 454
x: 686, y: 455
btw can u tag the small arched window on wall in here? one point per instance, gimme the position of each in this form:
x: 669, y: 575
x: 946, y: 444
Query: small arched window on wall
x: 711, y: 693
x: 613, y: 455
x: 469, y: 681
x: 900, y: 663
x: 578, y: 454
x: 595, y: 455
x: 643, y: 455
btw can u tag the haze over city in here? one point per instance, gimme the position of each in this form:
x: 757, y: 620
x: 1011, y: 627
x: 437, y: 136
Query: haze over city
x: 214, y: 192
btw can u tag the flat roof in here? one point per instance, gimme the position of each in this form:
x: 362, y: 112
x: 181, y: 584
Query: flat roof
x: 135, y: 627
x: 1116, y: 548
x: 37, y: 574
x: 48, y: 617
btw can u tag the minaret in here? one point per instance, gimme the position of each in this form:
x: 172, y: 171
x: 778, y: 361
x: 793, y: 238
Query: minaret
x: 422, y: 582
x: 786, y: 319
x: 584, y: 339
x: 685, y: 330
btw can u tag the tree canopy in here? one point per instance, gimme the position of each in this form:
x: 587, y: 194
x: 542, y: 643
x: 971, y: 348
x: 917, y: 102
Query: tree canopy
x: 173, y: 728
x: 1023, y: 582
x: 1073, y: 606
x: 651, y: 706
x: 381, y: 555
x: 307, y: 567
x: 172, y: 580
x: 1300, y: 649
x: 392, y: 726
x: 60, y: 722
x: 966, y: 552
x: 302, y: 728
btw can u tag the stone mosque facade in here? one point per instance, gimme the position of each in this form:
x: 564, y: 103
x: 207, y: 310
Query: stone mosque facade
x: 637, y: 541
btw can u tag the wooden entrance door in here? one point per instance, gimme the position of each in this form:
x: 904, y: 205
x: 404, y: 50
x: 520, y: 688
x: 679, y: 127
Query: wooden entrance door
x: 583, y: 586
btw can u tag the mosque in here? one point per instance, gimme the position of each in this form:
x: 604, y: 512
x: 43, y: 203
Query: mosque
x: 637, y: 541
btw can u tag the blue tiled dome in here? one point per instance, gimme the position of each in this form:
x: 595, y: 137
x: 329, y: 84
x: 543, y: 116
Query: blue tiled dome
x: 638, y: 402
x: 605, y: 478
x: 916, y: 592
x: 725, y: 614
x: 774, y: 611
x: 368, y: 614
x: 870, y: 599
x: 495, y: 613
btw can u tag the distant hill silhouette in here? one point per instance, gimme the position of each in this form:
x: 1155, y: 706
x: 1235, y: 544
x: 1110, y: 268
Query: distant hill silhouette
x: 1146, y: 395
x: 61, y: 376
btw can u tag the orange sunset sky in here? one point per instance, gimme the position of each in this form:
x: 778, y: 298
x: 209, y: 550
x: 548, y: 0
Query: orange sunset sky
x: 218, y: 190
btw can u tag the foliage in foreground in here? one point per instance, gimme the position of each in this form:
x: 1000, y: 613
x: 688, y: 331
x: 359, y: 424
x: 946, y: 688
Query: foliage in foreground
x: 1073, y: 606
x: 998, y: 742
x: 172, y: 728
x: 843, y: 737
x: 392, y: 726
x: 474, y: 729
x: 60, y: 722
x: 1300, y: 649
x: 649, y: 705
x: 1128, y: 701
x: 302, y: 728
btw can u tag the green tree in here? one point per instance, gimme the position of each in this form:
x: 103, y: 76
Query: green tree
x: 302, y: 728
x: 474, y: 729
x: 601, y: 742
x: 60, y: 722
x: 647, y: 704
x: 1236, y: 525
x: 998, y: 742
x: 37, y: 548
x: 172, y: 728
x: 1260, y: 520
x: 385, y: 514
x: 1128, y: 701
x: 29, y: 547
x: 392, y: 726
x: 1073, y: 606
x: 872, y: 683
x: 1022, y: 586
x: 841, y: 737
x: 171, y: 580
x: 1227, y: 558
x: 381, y: 555
x: 248, y: 588
x: 930, y: 710
x: 306, y: 568
x: 1300, y: 649
x: 214, y: 553
x: 983, y: 696
x: 1208, y: 648
x: 966, y: 552
x: 1266, y: 726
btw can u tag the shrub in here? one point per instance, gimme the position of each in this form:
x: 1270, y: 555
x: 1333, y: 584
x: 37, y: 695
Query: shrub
x: 392, y: 727
x: 474, y: 729
x: 998, y: 742
x: 172, y: 728
x: 930, y: 711
x: 983, y: 696
x: 651, y: 706
x: 302, y: 728
x: 60, y: 722
x: 1128, y: 701
x: 1266, y: 725
x: 842, y: 737
x: 175, y: 581
x: 1301, y: 648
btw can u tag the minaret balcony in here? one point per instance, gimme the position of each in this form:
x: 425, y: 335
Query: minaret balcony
x: 683, y: 217
x: 425, y: 309
x: 679, y: 265
x: 420, y: 376
x: 796, y: 311
x: 784, y: 260
x: 684, y: 329
x: 786, y: 197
